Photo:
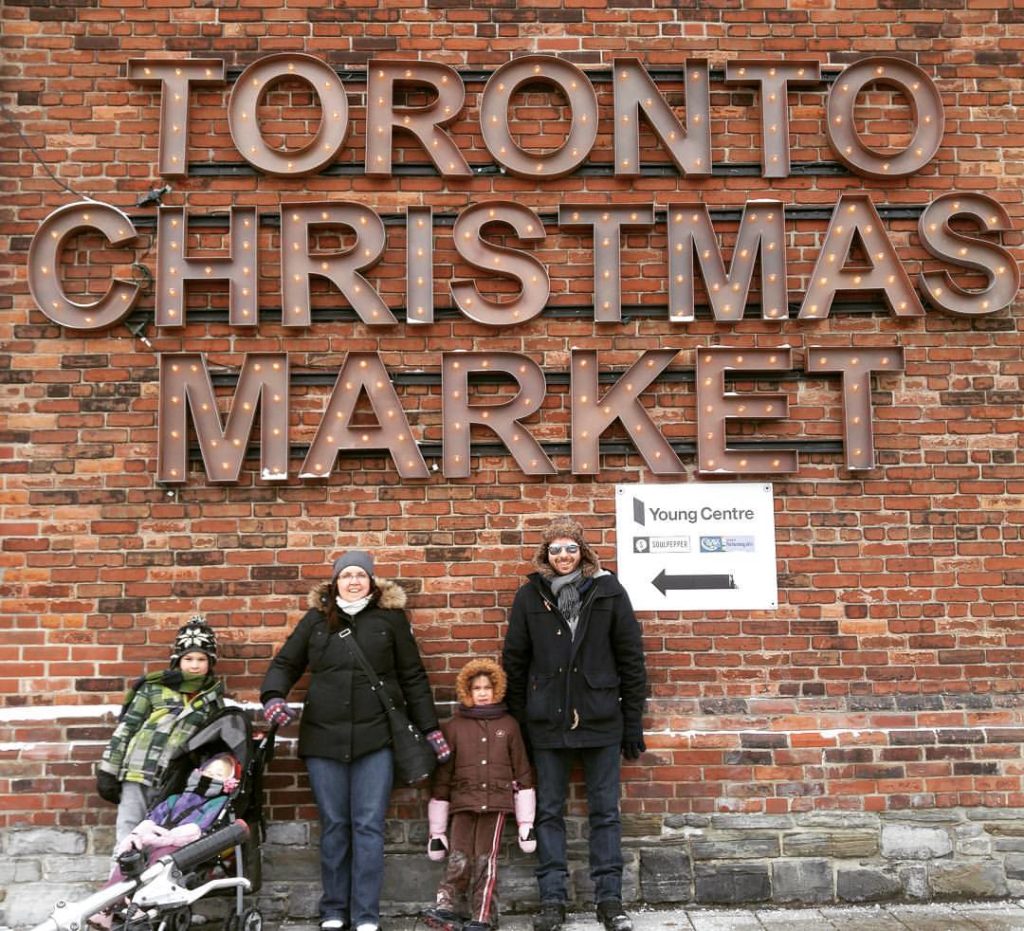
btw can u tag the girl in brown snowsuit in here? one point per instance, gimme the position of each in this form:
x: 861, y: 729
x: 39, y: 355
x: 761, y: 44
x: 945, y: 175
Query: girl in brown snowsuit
x: 487, y: 778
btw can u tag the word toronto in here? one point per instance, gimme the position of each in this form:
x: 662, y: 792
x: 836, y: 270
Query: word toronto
x: 856, y: 256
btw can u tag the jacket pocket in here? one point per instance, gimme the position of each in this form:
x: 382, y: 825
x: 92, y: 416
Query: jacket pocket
x: 544, y: 703
x: 598, y: 703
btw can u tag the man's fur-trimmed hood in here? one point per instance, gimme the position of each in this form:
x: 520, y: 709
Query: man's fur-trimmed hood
x: 480, y: 667
x: 391, y: 597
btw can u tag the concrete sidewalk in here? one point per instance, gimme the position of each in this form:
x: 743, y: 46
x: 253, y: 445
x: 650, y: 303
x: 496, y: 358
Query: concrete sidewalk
x: 1005, y: 915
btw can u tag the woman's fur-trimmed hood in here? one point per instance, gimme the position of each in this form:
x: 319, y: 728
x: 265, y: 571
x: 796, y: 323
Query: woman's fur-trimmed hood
x: 566, y: 528
x: 480, y: 667
x: 392, y: 596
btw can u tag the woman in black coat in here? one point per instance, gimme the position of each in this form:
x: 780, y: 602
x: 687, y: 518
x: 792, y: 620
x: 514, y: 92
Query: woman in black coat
x: 343, y: 734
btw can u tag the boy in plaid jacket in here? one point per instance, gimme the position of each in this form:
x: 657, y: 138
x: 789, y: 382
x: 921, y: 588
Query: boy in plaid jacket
x: 161, y: 711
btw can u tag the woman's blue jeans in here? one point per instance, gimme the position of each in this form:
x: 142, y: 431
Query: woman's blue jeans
x: 353, y: 802
x: 601, y: 775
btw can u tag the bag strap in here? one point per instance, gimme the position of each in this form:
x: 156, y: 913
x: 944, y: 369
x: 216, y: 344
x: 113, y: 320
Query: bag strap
x: 380, y: 690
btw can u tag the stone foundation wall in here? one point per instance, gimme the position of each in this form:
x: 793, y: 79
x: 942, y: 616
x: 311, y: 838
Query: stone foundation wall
x: 810, y: 858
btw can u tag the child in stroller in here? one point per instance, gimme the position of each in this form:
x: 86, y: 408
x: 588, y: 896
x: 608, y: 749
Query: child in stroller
x: 203, y: 836
x: 180, y: 819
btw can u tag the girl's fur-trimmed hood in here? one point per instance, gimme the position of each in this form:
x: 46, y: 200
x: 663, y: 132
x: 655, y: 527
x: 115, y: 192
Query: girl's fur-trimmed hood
x: 566, y: 528
x: 480, y: 667
x: 392, y: 596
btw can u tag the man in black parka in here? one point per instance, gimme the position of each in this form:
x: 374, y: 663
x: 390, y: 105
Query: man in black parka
x: 576, y: 683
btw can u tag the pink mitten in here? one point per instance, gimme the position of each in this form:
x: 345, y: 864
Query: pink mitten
x: 526, y: 812
x: 437, y: 820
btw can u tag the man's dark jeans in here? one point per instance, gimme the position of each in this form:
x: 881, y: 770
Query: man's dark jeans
x: 601, y: 774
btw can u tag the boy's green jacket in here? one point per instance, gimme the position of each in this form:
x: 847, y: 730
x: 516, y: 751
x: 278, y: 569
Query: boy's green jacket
x: 162, y: 710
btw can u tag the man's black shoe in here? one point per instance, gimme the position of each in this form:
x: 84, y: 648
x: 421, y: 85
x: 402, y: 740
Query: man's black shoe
x: 551, y: 917
x: 441, y: 919
x: 613, y: 916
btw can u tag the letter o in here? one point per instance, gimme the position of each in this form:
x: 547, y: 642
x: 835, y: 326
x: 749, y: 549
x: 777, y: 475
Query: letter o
x: 924, y: 100
x: 499, y: 91
x: 244, y: 125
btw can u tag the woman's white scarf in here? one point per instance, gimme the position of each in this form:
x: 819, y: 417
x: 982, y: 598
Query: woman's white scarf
x: 352, y: 608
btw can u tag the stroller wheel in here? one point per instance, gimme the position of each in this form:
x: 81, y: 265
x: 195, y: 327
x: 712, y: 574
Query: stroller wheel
x: 232, y: 921
x: 252, y: 920
x: 179, y: 919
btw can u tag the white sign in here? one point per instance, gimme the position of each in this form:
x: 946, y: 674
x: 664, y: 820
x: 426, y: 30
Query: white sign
x: 697, y: 547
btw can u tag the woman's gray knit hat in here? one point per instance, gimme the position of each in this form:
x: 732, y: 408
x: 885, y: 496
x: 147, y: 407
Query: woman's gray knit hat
x: 359, y: 558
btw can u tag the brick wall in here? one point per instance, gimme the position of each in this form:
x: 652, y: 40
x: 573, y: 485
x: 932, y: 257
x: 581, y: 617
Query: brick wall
x: 886, y: 683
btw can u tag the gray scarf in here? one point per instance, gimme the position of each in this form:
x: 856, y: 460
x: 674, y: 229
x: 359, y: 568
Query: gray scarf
x: 568, y: 595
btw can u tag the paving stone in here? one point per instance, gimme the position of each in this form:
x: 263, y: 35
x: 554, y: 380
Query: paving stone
x: 932, y: 916
x: 994, y: 916
x: 735, y: 920
x: 651, y: 921
x: 859, y: 918
x: 805, y: 919
x: 926, y: 918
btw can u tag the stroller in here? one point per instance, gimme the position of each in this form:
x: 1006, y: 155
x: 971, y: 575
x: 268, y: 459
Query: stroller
x: 159, y: 896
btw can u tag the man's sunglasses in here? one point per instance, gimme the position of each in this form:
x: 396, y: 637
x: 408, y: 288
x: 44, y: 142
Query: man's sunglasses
x: 570, y: 548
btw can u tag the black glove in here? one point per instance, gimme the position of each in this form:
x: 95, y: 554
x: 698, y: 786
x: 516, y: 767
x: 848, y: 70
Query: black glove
x: 108, y: 786
x: 631, y: 749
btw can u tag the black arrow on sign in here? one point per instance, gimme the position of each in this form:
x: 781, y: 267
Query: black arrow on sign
x: 663, y: 582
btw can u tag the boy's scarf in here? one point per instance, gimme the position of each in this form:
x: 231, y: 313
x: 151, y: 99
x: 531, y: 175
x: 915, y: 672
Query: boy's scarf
x: 172, y: 679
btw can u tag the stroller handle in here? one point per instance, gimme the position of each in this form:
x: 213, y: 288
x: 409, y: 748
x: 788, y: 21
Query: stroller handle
x: 206, y: 848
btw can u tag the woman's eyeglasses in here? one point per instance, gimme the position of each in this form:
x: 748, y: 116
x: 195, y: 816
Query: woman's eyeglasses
x: 570, y: 548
